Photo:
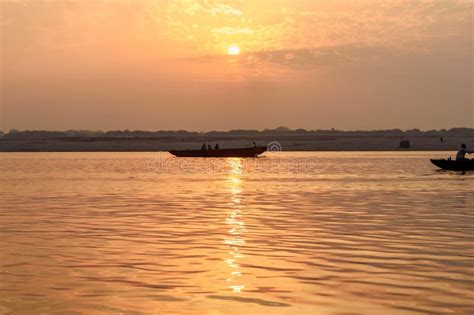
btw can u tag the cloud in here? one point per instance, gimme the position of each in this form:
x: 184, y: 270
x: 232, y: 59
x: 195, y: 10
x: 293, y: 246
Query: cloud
x: 193, y: 7
x: 304, y: 58
x: 223, y: 9
x: 358, y: 63
x: 232, y: 30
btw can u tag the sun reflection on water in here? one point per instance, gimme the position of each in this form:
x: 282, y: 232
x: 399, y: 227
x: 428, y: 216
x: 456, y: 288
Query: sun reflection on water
x: 235, y: 221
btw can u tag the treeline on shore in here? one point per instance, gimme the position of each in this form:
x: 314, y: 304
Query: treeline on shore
x: 43, y: 134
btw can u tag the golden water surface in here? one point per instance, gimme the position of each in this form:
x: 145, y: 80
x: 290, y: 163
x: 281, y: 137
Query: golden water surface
x: 289, y: 233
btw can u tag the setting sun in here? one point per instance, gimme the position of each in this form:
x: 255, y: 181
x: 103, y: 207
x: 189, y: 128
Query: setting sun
x: 234, y: 50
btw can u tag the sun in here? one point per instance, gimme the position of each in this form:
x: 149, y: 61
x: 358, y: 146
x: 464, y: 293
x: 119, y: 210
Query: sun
x: 233, y: 50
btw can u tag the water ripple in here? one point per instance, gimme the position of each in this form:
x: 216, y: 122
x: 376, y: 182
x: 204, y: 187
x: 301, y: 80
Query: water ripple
x: 104, y: 233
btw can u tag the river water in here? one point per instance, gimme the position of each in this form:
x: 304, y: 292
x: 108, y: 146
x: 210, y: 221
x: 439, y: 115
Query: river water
x: 288, y: 233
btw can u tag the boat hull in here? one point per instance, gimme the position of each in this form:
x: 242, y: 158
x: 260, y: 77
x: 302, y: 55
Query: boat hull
x: 241, y: 152
x: 453, y: 165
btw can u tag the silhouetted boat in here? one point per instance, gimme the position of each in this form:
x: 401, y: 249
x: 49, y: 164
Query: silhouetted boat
x: 453, y: 165
x: 236, y: 152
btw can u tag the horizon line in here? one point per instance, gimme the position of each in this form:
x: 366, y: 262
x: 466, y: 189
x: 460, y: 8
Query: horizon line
x: 280, y: 129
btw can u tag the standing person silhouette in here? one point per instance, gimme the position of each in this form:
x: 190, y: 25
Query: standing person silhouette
x: 461, y: 155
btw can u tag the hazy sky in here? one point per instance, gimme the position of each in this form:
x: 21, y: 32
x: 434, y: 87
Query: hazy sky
x: 164, y: 64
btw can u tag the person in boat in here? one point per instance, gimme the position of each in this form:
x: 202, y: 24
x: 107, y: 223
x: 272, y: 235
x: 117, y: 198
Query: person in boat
x: 461, y: 155
x: 216, y: 147
x: 204, y: 146
x: 255, y: 144
x: 209, y: 147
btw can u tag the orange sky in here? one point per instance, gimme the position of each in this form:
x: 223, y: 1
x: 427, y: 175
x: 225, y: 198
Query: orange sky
x: 164, y: 64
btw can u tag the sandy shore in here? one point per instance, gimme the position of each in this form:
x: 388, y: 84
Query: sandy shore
x: 287, y: 143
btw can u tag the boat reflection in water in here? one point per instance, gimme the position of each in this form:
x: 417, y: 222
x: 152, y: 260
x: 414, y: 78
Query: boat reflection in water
x: 235, y: 222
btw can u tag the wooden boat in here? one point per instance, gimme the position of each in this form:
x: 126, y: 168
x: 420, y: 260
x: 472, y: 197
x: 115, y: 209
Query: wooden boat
x: 236, y: 152
x: 453, y: 165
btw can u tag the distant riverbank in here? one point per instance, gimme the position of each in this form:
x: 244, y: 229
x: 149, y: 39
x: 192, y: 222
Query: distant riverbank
x: 286, y: 142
